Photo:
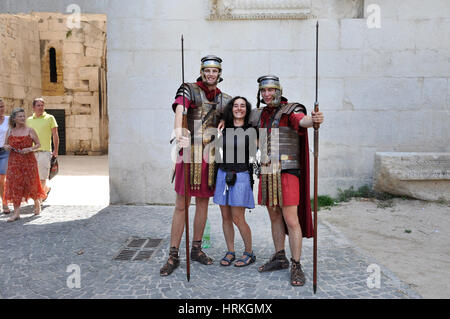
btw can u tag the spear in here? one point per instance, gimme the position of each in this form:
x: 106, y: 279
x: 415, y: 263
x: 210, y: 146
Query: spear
x: 186, y: 171
x: 316, y: 162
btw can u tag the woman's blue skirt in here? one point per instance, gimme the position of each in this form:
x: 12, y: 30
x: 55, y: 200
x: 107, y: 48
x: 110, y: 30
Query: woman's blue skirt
x: 3, y: 161
x: 240, y: 194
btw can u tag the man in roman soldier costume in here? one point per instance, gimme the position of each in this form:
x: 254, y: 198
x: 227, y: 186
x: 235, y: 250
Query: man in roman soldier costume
x: 204, y: 103
x: 284, y: 178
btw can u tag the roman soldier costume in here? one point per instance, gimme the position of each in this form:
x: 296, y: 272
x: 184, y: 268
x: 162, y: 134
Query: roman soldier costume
x: 204, y: 110
x: 284, y: 179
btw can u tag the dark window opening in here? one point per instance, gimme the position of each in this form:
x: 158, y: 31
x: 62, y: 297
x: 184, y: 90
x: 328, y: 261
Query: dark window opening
x: 53, y: 73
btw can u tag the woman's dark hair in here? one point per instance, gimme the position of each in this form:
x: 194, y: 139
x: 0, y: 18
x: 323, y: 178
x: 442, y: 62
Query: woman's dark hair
x: 228, y: 111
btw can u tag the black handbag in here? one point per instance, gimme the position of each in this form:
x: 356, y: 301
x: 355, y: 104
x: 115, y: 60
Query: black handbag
x: 54, y: 167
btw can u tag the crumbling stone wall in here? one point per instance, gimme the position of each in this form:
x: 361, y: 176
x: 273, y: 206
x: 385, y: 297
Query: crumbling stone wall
x: 20, y: 66
x: 80, y: 88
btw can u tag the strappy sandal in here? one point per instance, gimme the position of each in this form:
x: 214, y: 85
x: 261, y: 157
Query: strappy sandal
x: 6, y: 210
x: 198, y: 255
x: 297, y: 274
x: 172, y: 263
x: 249, y: 259
x: 277, y: 262
x: 227, y: 260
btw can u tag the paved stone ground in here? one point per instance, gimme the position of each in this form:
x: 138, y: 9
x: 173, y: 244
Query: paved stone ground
x: 35, y: 254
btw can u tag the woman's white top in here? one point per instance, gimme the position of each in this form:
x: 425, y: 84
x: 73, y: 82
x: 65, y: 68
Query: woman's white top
x: 3, y: 129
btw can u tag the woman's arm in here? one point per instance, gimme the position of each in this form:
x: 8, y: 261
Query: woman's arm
x: 37, y: 143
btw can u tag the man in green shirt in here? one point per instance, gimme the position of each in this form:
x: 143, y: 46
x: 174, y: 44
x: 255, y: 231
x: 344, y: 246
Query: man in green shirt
x: 47, y: 129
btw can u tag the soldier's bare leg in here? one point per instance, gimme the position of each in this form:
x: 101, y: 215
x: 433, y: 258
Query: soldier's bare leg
x: 277, y: 225
x: 295, y: 231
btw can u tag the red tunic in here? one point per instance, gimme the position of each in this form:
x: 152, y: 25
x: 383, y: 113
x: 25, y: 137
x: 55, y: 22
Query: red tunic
x: 204, y: 190
x: 295, y: 191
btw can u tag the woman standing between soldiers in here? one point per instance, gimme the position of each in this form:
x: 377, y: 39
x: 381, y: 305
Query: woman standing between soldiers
x: 22, y: 177
x: 235, y: 178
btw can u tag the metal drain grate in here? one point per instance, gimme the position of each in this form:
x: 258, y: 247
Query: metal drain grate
x: 152, y: 243
x: 125, y: 254
x: 138, y: 249
x: 144, y: 255
x: 137, y: 243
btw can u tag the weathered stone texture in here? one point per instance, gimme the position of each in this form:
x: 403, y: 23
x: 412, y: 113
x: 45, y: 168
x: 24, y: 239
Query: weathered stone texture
x: 80, y: 58
x: 419, y: 175
x: 19, y: 66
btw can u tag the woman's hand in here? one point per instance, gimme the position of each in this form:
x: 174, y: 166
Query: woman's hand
x: 7, y: 147
x: 221, y: 126
x: 26, y: 150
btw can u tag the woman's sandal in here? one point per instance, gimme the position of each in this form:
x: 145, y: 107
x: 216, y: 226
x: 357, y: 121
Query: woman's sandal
x: 297, y: 274
x: 198, y: 255
x: 172, y: 263
x: 249, y: 259
x: 6, y: 210
x: 228, y: 260
x: 12, y: 219
x: 277, y: 262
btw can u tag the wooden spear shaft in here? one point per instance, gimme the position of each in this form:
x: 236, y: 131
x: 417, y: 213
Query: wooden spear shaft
x: 186, y: 171
x: 316, y: 162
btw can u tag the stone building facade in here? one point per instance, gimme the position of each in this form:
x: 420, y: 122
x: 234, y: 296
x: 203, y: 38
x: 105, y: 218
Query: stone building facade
x: 384, y: 76
x: 20, y: 67
x: 66, y: 66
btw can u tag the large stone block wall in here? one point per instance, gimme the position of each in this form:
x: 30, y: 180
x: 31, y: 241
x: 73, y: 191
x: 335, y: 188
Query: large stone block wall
x: 81, y: 59
x: 20, y: 66
x: 383, y: 89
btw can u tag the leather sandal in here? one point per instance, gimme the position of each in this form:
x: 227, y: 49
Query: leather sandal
x: 228, y: 260
x: 277, y: 262
x: 249, y: 258
x: 297, y: 274
x: 172, y: 263
x: 198, y: 255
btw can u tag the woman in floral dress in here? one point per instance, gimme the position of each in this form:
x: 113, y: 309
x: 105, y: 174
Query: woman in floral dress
x: 22, y: 177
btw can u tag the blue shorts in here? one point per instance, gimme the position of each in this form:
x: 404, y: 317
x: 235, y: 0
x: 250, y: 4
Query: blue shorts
x: 240, y: 194
x: 4, y: 155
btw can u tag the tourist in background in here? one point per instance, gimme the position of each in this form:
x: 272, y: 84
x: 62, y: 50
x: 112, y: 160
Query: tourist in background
x: 22, y: 177
x: 3, y: 153
x: 47, y: 130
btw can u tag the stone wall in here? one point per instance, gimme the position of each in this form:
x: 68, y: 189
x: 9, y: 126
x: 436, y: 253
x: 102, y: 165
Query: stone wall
x: 20, y: 66
x: 81, y: 61
x: 382, y: 89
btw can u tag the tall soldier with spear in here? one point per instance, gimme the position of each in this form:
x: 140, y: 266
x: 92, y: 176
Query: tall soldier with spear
x: 203, y: 103
x: 284, y: 178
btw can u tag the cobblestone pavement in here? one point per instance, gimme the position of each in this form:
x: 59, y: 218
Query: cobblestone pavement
x: 38, y: 254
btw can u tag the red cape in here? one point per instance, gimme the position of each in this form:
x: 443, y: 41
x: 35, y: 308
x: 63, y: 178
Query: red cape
x: 304, y: 209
